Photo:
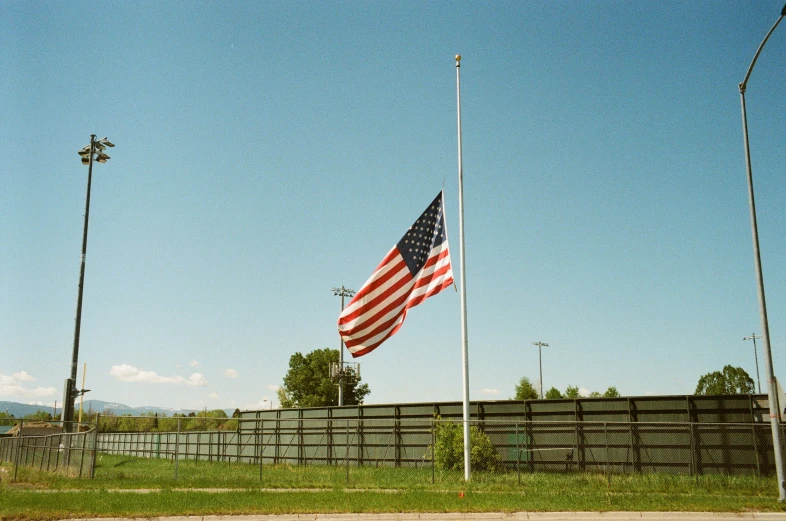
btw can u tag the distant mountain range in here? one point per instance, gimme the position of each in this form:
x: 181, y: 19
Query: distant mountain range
x: 19, y: 410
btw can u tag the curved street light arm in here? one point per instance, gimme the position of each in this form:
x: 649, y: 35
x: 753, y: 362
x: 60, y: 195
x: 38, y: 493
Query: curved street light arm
x: 744, y: 83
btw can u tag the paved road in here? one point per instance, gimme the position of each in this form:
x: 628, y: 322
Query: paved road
x: 517, y: 516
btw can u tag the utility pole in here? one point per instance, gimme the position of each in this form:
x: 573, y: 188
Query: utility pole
x: 341, y: 292
x: 540, y: 345
x: 756, y: 356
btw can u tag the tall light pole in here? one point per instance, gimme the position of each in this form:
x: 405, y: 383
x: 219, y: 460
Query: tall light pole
x: 90, y: 153
x: 540, y: 345
x: 775, y: 416
x: 755, y: 356
x: 341, y: 292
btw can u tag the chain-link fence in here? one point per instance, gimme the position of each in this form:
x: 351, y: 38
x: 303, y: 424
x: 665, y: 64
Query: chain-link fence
x: 45, y: 446
x: 435, y: 447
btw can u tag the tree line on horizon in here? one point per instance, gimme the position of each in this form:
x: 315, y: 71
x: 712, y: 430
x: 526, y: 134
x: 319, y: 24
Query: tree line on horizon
x: 213, y: 420
x: 307, y: 383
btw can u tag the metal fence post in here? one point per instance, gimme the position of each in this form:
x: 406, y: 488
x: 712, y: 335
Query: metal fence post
x: 606, y: 436
x: 518, y: 454
x: 346, y: 455
x: 177, y: 447
x: 359, y: 438
x: 18, y: 447
x: 239, y: 444
x: 261, y: 443
x: 95, y: 446
x: 84, y: 448
x: 433, y: 447
x: 692, y: 450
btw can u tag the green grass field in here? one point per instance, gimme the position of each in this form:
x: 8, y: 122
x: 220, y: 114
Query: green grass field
x: 132, y: 487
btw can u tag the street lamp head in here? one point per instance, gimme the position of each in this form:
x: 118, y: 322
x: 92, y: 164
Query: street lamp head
x: 105, y: 141
x: 85, y: 160
x: 101, y: 157
x: 783, y: 11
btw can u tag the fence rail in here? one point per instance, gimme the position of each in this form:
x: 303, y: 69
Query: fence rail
x: 70, y: 453
x: 520, y: 446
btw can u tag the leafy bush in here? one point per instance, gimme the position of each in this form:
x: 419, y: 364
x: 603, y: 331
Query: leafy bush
x: 449, y: 448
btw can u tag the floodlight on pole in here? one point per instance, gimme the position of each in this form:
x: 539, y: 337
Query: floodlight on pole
x: 772, y: 391
x: 753, y: 337
x: 89, y: 154
x: 540, y: 345
x: 339, y: 374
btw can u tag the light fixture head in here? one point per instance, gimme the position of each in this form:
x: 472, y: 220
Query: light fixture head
x: 99, y: 146
x: 101, y: 157
x: 85, y: 160
x: 105, y: 141
x: 84, y: 151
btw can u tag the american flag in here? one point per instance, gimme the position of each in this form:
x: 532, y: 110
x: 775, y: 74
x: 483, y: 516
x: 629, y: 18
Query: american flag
x: 416, y: 268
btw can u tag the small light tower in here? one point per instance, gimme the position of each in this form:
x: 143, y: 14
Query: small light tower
x: 753, y: 337
x: 90, y: 154
x: 540, y: 345
x: 338, y: 373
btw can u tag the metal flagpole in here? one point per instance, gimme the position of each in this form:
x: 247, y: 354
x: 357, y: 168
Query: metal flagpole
x: 464, y: 350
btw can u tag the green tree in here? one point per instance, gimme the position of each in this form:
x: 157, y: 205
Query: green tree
x: 572, y: 392
x: 611, y: 392
x: 732, y: 380
x: 205, y: 420
x: 308, y: 384
x: 110, y: 422
x: 169, y: 424
x: 553, y: 394
x: 525, y: 390
x: 39, y: 415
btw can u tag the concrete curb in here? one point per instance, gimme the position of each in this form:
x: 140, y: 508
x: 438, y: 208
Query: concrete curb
x: 486, y: 516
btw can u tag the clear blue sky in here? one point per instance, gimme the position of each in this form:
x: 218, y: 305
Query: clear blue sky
x: 270, y: 151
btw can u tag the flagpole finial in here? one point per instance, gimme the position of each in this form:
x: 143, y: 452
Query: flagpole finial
x: 458, y: 57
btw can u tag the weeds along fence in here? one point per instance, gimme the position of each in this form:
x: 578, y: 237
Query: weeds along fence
x: 499, y: 446
x: 46, y: 447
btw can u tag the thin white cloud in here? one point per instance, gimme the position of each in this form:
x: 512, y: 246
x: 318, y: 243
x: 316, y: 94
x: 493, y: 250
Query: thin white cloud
x: 583, y: 391
x: 488, y: 391
x: 230, y: 373
x: 193, y: 363
x: 129, y: 373
x: 14, y: 386
x: 213, y: 396
x: 272, y: 387
x: 23, y: 376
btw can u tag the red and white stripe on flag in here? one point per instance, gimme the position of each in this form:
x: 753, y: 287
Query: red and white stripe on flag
x: 413, y: 270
